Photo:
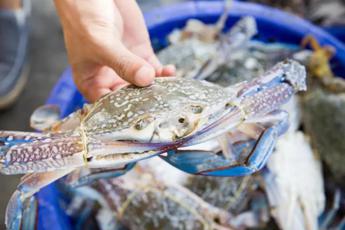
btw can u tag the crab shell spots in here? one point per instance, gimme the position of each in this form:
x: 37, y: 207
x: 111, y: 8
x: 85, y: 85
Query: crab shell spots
x: 167, y: 97
x: 268, y: 100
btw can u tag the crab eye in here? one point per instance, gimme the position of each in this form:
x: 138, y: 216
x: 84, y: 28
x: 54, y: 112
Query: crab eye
x: 196, y: 109
x: 142, y: 123
x: 228, y: 104
x: 181, y: 120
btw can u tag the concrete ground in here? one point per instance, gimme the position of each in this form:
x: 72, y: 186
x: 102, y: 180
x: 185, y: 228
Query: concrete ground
x: 47, y: 60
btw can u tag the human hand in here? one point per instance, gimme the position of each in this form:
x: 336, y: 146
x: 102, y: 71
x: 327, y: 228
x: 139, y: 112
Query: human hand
x: 108, y: 45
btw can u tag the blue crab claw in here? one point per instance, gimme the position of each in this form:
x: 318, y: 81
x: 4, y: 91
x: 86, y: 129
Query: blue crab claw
x: 246, y: 157
x: 14, y: 211
x: 30, y: 207
x: 23, y: 203
x: 207, y: 163
x: 21, y: 214
x: 84, y: 176
x: 201, y: 161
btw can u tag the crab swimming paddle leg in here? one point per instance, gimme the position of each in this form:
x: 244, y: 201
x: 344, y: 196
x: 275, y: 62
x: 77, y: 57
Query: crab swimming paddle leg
x: 29, y: 185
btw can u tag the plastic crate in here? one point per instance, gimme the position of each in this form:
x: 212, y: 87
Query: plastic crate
x: 273, y: 25
x: 336, y: 31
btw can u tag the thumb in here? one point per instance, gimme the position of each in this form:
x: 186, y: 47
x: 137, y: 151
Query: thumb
x: 128, y: 66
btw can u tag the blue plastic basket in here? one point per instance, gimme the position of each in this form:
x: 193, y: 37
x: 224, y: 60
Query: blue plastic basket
x: 273, y: 25
x: 336, y: 31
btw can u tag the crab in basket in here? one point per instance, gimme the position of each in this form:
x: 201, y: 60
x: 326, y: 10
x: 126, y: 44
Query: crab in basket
x: 325, y: 99
x: 224, y: 58
x: 199, y: 55
x: 169, y: 118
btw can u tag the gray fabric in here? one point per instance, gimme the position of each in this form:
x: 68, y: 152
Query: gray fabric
x: 13, y: 48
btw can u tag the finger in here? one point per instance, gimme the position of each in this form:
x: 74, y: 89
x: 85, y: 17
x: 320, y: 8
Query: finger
x: 119, y: 85
x: 127, y: 65
x: 156, y: 64
x: 136, y: 37
x: 145, y: 51
x: 93, y: 94
x: 136, y: 33
x: 169, y: 70
x: 95, y: 86
x: 105, y: 77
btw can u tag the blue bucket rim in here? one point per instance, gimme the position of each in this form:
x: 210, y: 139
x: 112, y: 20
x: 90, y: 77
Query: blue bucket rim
x: 182, y: 11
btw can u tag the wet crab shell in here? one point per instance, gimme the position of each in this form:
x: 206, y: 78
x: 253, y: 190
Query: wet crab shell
x: 171, y: 108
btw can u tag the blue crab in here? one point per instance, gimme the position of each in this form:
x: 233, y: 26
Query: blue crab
x: 139, y: 201
x: 203, y: 51
x: 155, y: 195
x: 131, y: 124
x: 224, y: 58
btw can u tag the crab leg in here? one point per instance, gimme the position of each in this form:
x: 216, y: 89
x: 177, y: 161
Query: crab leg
x: 22, y: 152
x: 235, y: 40
x: 29, y: 185
x: 30, y: 208
x: 107, y: 159
x: 327, y: 218
x: 245, y: 109
x: 28, y: 152
x: 47, y: 118
x: 78, y: 178
x: 98, y: 148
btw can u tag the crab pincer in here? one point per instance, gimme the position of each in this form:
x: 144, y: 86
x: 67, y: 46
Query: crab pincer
x: 253, y: 115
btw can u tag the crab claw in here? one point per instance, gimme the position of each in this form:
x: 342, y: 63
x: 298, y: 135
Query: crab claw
x: 257, y: 104
x: 22, y: 200
x: 21, y: 214
x: 246, y: 157
x: 30, y: 214
x: 14, y: 211
x: 209, y: 163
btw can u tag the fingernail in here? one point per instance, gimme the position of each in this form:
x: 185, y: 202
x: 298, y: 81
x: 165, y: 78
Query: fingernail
x: 155, y: 62
x: 144, y: 76
x: 171, y: 68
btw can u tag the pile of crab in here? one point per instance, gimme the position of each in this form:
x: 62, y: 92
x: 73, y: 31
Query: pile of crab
x: 219, y: 146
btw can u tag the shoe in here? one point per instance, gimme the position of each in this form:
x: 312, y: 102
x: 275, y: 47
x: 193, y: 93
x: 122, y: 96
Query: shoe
x: 14, y: 36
